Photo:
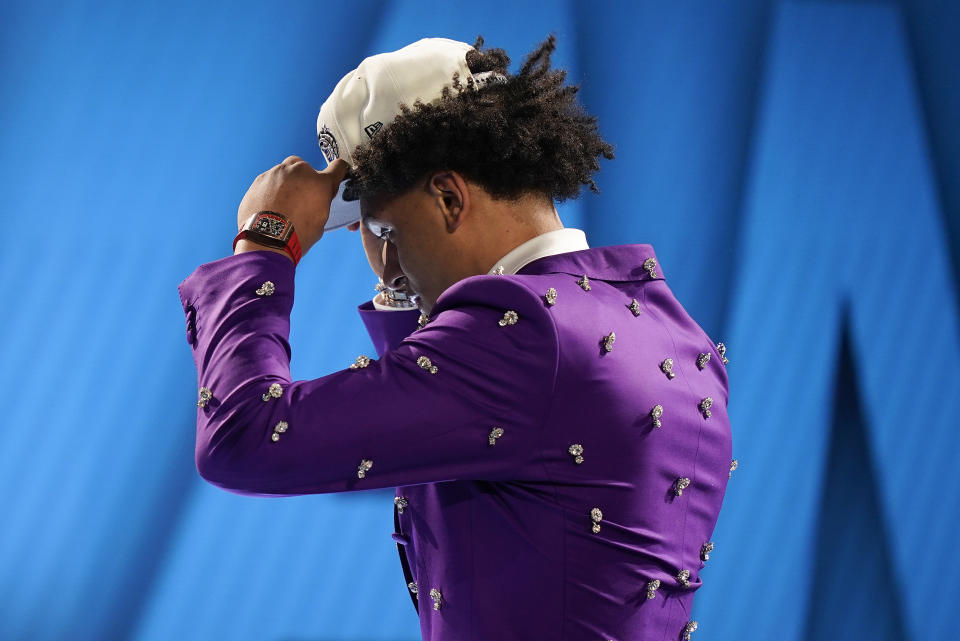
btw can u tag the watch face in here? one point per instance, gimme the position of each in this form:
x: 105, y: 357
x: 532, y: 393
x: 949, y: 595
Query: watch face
x: 270, y: 225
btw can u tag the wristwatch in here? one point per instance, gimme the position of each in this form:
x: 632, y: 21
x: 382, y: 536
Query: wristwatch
x: 273, y: 230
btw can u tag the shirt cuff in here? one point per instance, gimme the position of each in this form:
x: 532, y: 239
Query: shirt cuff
x: 387, y: 308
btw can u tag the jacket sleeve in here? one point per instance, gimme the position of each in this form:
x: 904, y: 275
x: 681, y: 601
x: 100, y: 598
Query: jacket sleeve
x: 387, y: 327
x: 464, y: 397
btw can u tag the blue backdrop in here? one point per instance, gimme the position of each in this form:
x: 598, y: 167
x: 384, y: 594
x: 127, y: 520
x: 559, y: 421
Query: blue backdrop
x: 795, y: 164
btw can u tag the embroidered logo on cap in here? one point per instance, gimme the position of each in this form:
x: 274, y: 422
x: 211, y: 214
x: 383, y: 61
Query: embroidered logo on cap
x: 372, y: 129
x: 328, y: 144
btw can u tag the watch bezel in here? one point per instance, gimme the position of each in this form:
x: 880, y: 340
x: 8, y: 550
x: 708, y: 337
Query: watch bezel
x: 253, y: 224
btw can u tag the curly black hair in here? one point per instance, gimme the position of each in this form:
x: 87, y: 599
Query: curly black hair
x: 527, y: 134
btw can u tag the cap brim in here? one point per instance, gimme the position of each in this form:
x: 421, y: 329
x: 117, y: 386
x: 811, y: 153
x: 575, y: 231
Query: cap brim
x: 342, y: 212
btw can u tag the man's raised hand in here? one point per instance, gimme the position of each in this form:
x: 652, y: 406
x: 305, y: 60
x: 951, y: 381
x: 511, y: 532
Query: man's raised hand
x: 299, y: 192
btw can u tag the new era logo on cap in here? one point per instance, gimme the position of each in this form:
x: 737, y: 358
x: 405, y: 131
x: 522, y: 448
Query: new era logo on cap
x: 372, y: 129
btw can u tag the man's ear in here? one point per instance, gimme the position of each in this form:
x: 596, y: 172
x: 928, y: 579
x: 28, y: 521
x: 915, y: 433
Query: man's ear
x: 450, y: 192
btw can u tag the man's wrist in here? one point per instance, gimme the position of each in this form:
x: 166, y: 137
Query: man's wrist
x: 246, y: 245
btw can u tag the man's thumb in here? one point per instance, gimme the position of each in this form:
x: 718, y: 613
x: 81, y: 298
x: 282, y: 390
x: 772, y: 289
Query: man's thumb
x: 338, y: 169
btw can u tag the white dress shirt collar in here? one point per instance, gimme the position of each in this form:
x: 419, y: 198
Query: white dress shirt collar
x: 558, y: 241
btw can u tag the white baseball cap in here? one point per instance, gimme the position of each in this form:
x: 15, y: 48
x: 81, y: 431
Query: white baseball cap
x: 368, y: 98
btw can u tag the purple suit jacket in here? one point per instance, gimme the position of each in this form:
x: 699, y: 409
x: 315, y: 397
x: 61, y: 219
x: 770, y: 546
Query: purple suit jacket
x: 566, y: 456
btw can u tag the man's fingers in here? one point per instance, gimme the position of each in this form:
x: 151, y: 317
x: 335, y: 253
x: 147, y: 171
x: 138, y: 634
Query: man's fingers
x: 354, y: 226
x: 338, y: 169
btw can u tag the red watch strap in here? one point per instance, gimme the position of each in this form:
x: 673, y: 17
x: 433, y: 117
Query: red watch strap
x: 292, y: 247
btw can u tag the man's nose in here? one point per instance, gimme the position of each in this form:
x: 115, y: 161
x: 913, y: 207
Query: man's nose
x: 393, y: 276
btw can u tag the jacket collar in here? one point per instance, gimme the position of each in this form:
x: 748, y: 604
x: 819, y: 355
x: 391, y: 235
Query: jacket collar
x: 612, y: 263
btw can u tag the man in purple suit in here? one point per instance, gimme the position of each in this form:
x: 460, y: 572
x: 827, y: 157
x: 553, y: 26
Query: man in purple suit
x: 562, y: 465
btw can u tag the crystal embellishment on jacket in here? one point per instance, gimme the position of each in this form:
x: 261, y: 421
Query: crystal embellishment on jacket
x: 652, y: 587
x: 437, y: 598
x: 576, y: 451
x: 361, y: 362
x: 667, y: 367
x: 596, y: 515
x: 275, y: 391
x: 656, y: 413
x: 607, y: 342
x: 703, y: 359
x: 705, y: 551
x: 363, y: 468
x: 705, y: 406
x: 722, y: 349
x: 278, y: 429
x: 509, y: 318
x: 426, y: 364
x: 649, y: 265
